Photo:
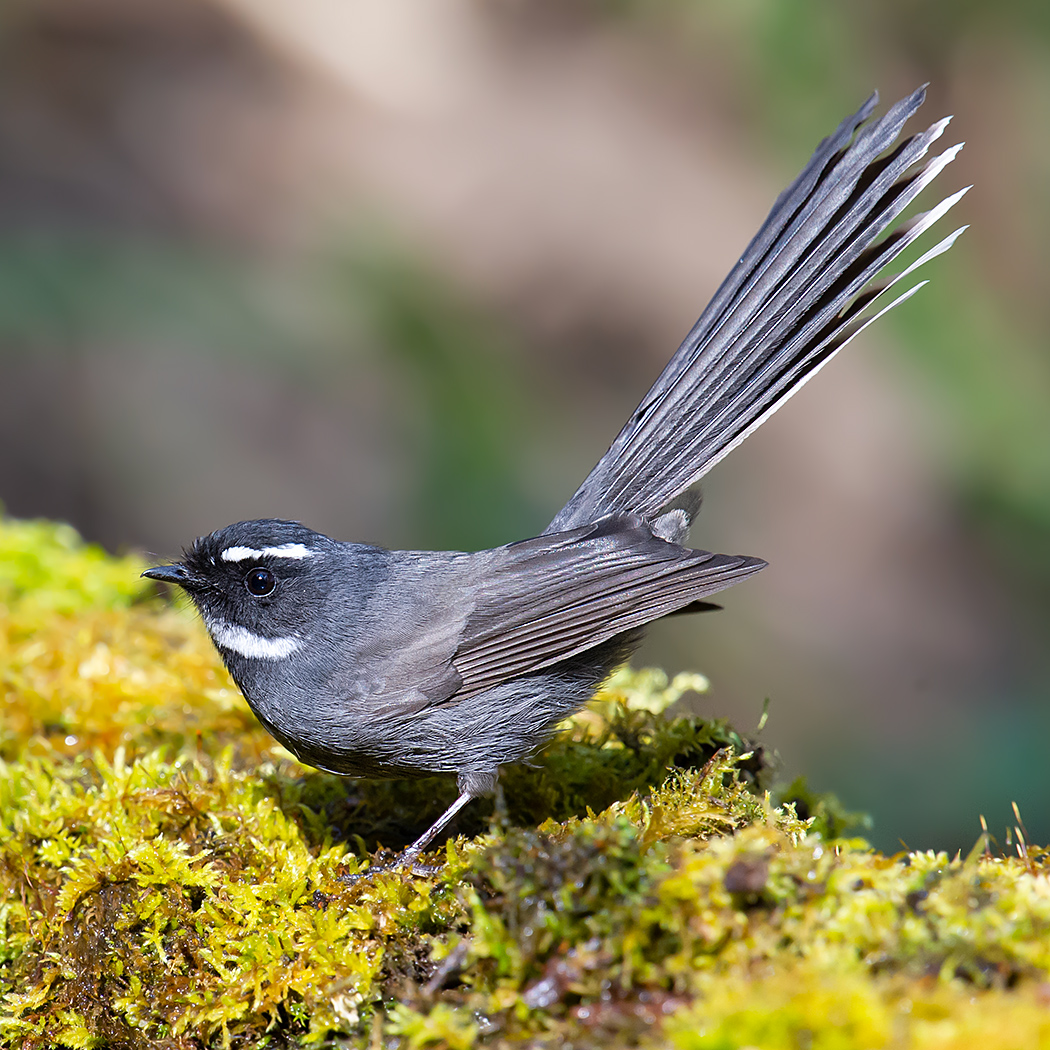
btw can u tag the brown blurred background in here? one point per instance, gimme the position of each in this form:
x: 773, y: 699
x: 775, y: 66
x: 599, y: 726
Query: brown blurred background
x: 401, y: 270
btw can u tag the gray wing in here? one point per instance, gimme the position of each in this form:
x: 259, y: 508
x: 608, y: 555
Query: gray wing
x: 544, y: 600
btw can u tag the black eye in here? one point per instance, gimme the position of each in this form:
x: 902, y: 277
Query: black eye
x: 260, y: 582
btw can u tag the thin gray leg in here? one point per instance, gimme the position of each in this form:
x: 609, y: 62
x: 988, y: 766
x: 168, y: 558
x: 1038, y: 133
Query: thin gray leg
x: 411, y: 853
x: 409, y: 856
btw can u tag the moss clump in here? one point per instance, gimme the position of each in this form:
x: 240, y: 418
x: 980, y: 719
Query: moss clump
x: 169, y: 877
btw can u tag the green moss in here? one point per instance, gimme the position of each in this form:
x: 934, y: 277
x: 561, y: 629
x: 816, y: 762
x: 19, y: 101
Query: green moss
x: 45, y: 567
x: 170, y: 877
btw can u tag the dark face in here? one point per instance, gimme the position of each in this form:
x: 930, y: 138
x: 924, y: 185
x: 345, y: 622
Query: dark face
x: 257, y: 584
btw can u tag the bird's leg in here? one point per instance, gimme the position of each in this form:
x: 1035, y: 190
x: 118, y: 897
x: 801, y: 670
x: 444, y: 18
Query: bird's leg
x: 410, y: 854
x: 502, y: 814
x: 471, y: 785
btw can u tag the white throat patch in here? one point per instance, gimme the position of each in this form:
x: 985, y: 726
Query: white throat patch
x: 295, y: 551
x: 247, y: 643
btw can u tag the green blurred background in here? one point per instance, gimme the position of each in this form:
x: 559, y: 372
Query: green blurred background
x: 401, y: 270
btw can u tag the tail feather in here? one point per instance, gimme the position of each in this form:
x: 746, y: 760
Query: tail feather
x: 799, y: 293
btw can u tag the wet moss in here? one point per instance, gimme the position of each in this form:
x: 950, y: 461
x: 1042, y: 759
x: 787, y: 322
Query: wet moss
x: 170, y: 877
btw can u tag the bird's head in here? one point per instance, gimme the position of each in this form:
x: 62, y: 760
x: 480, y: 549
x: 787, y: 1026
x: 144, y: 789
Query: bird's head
x: 258, y: 585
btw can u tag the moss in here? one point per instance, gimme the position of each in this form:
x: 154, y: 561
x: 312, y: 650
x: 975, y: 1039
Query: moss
x: 170, y: 877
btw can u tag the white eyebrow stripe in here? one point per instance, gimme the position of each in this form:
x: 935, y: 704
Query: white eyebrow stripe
x: 254, y: 646
x: 295, y: 551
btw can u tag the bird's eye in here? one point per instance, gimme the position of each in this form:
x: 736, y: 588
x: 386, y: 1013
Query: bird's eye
x: 260, y: 582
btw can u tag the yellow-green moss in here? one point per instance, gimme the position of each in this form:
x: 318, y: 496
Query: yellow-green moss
x: 170, y: 877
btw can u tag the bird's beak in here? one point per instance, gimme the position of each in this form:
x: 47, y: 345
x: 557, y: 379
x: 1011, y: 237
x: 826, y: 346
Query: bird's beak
x: 170, y: 574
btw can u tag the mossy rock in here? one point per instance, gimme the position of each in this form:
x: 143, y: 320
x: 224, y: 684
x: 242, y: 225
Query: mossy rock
x: 172, y: 878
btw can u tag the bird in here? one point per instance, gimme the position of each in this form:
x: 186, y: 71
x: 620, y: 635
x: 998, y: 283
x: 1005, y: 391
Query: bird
x: 369, y: 662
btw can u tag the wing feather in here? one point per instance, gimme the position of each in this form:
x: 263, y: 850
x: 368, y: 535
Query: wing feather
x: 553, y: 597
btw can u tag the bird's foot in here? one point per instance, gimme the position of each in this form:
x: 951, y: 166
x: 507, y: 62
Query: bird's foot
x: 407, y: 862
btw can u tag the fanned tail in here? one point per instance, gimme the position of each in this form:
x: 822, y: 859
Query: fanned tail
x: 800, y: 292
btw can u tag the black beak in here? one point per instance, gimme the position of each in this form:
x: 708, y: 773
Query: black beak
x: 170, y: 574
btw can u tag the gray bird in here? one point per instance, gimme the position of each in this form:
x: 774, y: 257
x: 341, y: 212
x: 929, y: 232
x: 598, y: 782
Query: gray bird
x: 376, y: 663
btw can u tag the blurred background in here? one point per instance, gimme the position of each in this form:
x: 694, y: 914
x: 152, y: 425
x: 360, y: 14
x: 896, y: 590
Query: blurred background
x: 401, y: 270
